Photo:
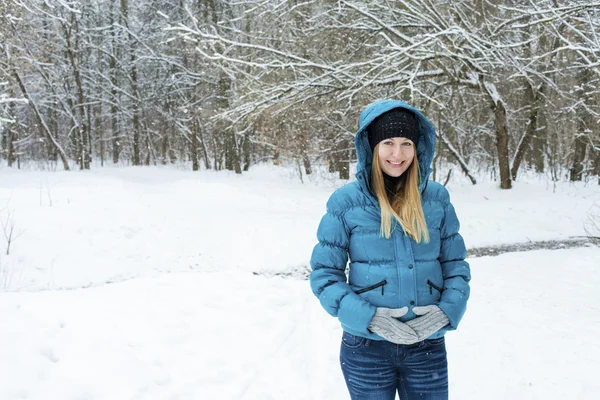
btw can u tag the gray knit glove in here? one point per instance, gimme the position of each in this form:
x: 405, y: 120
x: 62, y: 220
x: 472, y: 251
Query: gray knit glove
x: 431, y: 320
x: 385, y: 324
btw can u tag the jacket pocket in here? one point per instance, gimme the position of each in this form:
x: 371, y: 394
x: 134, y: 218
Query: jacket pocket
x: 373, y: 287
x: 433, y: 286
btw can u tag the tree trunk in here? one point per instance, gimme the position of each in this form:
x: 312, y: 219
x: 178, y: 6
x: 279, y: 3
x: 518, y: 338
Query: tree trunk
x: 307, y: 166
x: 83, y: 155
x: 596, y: 153
x: 237, y: 166
x: 534, y: 101
x: 41, y: 121
x: 530, y: 101
x: 194, y: 147
x: 229, y: 150
x: 90, y: 135
x: 11, y: 134
x: 540, y: 137
x: 216, y: 154
x: 583, y: 126
x: 149, y: 150
x: 135, y: 157
x: 136, y: 113
x: 99, y: 130
x: 53, y: 125
x: 164, y: 136
x: 204, y: 149
x: 112, y: 63
x: 116, y: 146
x: 502, y: 143
x: 576, y: 171
x: 10, y: 145
x: 246, y: 152
x: 232, y: 156
x: 164, y: 146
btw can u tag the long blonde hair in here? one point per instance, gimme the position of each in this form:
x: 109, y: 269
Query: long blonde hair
x: 406, y: 208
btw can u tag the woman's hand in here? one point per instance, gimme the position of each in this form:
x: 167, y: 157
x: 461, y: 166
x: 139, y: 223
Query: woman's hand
x: 430, y: 320
x: 386, y: 325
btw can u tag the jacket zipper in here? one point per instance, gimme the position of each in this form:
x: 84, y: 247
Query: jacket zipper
x: 433, y: 286
x: 372, y: 287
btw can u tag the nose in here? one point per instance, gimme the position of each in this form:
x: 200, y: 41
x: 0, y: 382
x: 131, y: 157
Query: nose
x: 397, y: 152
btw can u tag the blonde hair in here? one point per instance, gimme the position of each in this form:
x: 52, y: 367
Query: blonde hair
x: 406, y: 208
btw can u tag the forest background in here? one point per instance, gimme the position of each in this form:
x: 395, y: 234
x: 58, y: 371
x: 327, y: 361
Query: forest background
x: 224, y: 84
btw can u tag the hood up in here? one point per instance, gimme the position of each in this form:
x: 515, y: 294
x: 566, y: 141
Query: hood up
x: 425, y: 147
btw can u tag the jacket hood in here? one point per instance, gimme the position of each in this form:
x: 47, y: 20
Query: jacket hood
x: 425, y: 147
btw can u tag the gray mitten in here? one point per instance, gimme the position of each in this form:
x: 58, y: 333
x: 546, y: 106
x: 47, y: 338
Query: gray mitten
x: 431, y: 320
x: 385, y: 324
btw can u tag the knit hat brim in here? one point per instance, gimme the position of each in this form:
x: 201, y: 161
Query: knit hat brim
x: 397, y: 122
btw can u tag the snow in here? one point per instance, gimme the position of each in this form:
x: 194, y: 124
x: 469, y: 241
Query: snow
x: 158, y: 283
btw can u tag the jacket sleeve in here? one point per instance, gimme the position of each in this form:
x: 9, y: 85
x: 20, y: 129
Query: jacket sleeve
x: 455, y: 269
x: 328, y: 277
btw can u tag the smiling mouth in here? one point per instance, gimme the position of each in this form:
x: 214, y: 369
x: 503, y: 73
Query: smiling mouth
x: 396, y: 164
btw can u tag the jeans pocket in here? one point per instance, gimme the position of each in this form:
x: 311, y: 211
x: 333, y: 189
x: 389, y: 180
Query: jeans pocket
x: 351, y: 341
x: 435, y: 342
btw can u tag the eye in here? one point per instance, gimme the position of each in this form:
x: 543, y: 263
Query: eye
x: 407, y: 144
x: 388, y: 142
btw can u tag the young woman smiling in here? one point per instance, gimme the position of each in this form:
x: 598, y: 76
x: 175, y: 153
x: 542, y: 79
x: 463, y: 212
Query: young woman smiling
x: 408, y: 282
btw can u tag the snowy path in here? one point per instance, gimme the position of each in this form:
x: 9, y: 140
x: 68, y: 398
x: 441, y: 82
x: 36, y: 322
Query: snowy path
x: 530, y: 333
x: 537, y: 245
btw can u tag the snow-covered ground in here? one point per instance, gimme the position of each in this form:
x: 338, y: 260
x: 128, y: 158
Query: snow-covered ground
x: 139, y: 283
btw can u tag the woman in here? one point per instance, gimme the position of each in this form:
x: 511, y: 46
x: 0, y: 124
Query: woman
x: 408, y: 282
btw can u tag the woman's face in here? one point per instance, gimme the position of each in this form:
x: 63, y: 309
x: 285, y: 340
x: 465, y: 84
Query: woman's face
x: 395, y: 155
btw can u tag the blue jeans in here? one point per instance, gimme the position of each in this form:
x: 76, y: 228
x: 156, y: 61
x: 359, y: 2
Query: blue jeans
x: 375, y: 370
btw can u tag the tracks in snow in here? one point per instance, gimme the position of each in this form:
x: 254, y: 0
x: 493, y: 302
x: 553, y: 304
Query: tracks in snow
x: 302, y: 272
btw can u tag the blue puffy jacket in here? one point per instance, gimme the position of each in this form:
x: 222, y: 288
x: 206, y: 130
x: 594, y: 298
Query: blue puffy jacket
x: 394, y: 272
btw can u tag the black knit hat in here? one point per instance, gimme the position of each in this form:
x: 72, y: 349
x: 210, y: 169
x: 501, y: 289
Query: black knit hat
x: 398, y: 122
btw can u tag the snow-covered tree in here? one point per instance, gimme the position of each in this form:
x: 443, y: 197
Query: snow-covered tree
x: 222, y: 83
x: 424, y: 51
x: 4, y: 101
